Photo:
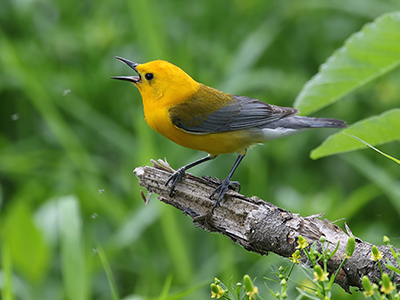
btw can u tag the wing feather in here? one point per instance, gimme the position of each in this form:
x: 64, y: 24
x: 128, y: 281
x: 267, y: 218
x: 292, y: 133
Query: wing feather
x: 239, y: 113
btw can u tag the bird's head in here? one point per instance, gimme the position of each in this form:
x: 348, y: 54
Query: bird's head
x: 160, y: 81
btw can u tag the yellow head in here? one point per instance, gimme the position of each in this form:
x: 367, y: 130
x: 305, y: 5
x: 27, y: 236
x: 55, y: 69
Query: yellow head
x: 160, y: 83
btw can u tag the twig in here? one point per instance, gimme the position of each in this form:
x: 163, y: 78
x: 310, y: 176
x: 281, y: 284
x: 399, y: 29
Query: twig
x: 262, y: 227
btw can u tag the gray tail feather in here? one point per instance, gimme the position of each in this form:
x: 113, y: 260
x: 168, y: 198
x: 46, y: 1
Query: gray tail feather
x: 309, y: 122
x: 297, y: 122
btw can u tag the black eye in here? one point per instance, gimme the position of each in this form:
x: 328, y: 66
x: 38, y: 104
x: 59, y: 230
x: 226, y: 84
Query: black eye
x: 149, y: 76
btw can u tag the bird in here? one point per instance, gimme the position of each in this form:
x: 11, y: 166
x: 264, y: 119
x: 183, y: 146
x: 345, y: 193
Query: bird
x: 203, y: 118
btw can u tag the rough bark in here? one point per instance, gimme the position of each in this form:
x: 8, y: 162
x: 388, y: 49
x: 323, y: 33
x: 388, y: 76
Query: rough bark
x: 262, y: 227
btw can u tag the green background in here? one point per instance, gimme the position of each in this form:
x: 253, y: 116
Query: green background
x: 71, y: 210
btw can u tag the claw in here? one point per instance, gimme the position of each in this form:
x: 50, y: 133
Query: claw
x: 181, y: 172
x: 221, y: 190
x: 175, y: 178
x: 234, y: 185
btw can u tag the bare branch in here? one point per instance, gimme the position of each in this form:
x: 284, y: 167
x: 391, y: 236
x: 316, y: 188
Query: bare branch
x: 260, y: 226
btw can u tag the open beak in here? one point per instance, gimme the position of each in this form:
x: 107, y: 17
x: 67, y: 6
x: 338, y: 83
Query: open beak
x: 133, y: 66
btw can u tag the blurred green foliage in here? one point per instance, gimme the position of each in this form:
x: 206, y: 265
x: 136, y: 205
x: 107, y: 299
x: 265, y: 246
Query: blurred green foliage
x: 73, y: 224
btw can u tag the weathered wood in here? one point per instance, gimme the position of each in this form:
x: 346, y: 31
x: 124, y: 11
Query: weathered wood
x: 260, y: 226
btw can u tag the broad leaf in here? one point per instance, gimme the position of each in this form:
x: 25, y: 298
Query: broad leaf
x: 376, y: 130
x: 366, y: 55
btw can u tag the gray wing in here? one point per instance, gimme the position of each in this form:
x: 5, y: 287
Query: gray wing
x: 242, y: 113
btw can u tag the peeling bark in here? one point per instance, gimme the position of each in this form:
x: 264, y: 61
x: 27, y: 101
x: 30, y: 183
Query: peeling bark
x: 262, y: 227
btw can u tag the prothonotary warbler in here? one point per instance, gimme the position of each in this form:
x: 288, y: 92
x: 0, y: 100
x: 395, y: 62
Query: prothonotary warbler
x: 199, y: 117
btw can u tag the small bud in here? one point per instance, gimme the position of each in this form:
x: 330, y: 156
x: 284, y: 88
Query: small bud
x: 319, y: 274
x: 302, y: 242
x: 387, y: 286
x: 238, y: 287
x: 214, y: 288
x: 248, y: 284
x: 368, y: 292
x: 318, y: 270
x: 322, y: 239
x: 376, y: 254
x: 351, y: 245
x: 386, y: 240
x: 283, y: 282
x: 216, y: 291
x: 296, y: 257
x: 249, y: 287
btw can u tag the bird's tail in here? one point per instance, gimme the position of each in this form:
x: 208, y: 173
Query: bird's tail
x: 309, y: 122
x: 298, y: 122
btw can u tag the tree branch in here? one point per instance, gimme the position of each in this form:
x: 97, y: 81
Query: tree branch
x: 260, y: 226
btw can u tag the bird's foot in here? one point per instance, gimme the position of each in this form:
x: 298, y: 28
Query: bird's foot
x: 174, y: 178
x: 234, y: 185
x: 221, y: 191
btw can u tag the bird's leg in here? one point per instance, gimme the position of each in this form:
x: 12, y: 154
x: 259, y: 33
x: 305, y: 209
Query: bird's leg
x: 174, y: 178
x: 223, y: 188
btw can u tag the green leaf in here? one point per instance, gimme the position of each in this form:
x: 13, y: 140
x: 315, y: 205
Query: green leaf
x: 6, y: 292
x: 166, y: 288
x: 376, y: 130
x: 29, y: 252
x: 366, y: 55
x: 306, y: 294
x: 372, y: 147
x: 393, y: 268
x: 73, y: 262
x: 109, y: 274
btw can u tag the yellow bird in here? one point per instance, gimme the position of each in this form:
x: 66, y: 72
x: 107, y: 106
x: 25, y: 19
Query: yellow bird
x: 199, y: 117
